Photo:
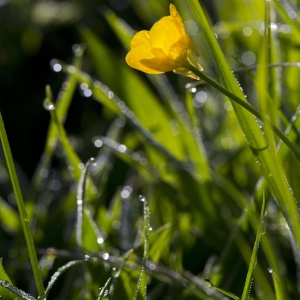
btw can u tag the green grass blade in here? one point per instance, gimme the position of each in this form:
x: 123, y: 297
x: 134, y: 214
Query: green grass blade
x: 141, y: 290
x: 104, y: 290
x: 5, y: 284
x: 59, y: 272
x: 254, y: 254
x: 277, y: 286
x: 230, y: 295
x: 8, y: 217
x: 5, y: 293
x: 22, y: 211
x: 81, y: 193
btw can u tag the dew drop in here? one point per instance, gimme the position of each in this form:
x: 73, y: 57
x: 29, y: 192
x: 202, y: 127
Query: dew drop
x: 208, y: 282
x: 142, y: 198
x: 5, y: 283
x: 270, y: 270
x: 105, y: 256
x: 48, y: 104
x: 100, y: 240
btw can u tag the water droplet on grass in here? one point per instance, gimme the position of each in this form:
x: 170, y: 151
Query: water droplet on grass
x: 5, y: 283
x: 48, y: 104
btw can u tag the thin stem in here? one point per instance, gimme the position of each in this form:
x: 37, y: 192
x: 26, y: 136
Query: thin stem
x: 248, y: 107
x: 22, y: 211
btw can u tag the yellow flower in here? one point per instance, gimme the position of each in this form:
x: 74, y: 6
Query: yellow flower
x: 166, y: 47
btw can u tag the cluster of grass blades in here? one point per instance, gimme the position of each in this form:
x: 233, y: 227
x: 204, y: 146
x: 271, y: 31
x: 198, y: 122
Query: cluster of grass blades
x: 187, y: 179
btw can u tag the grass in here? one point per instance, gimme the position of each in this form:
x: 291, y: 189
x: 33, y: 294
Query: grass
x: 215, y: 162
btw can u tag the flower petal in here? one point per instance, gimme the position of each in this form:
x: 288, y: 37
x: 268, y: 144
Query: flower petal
x: 141, y: 50
x: 168, y: 36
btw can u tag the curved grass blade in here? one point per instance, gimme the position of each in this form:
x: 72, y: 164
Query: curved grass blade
x: 104, y: 290
x: 141, y: 290
x: 22, y: 211
x: 116, y: 274
x: 17, y: 291
x: 59, y: 272
x: 254, y: 253
x: 230, y: 295
x: 5, y: 293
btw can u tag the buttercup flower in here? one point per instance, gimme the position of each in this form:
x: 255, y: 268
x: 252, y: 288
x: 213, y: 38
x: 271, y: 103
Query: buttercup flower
x: 166, y: 47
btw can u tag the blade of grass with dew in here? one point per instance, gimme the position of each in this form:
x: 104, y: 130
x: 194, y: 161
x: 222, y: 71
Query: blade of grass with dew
x: 190, y: 135
x: 88, y: 235
x: 269, y: 111
x: 116, y: 274
x: 21, y: 294
x: 276, y: 181
x: 104, y: 290
x: 278, y: 293
x: 81, y: 194
x: 5, y: 293
x: 230, y: 295
x: 252, y: 263
x: 166, y: 275
x: 238, y: 237
x: 9, y: 219
x: 22, y: 211
x: 262, y: 80
x: 62, y: 106
x: 59, y: 272
x: 141, y: 290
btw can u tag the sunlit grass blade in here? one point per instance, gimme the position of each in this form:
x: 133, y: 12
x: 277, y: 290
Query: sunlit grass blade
x: 21, y: 208
x: 141, y: 290
x: 5, y: 284
x: 5, y: 293
x: 252, y: 263
x: 104, y: 290
x: 278, y: 290
x: 59, y: 272
x: 116, y: 274
x: 9, y: 218
x: 81, y: 194
x: 230, y: 295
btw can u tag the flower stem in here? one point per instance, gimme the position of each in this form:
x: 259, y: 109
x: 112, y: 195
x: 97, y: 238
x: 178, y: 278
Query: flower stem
x: 248, y: 107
